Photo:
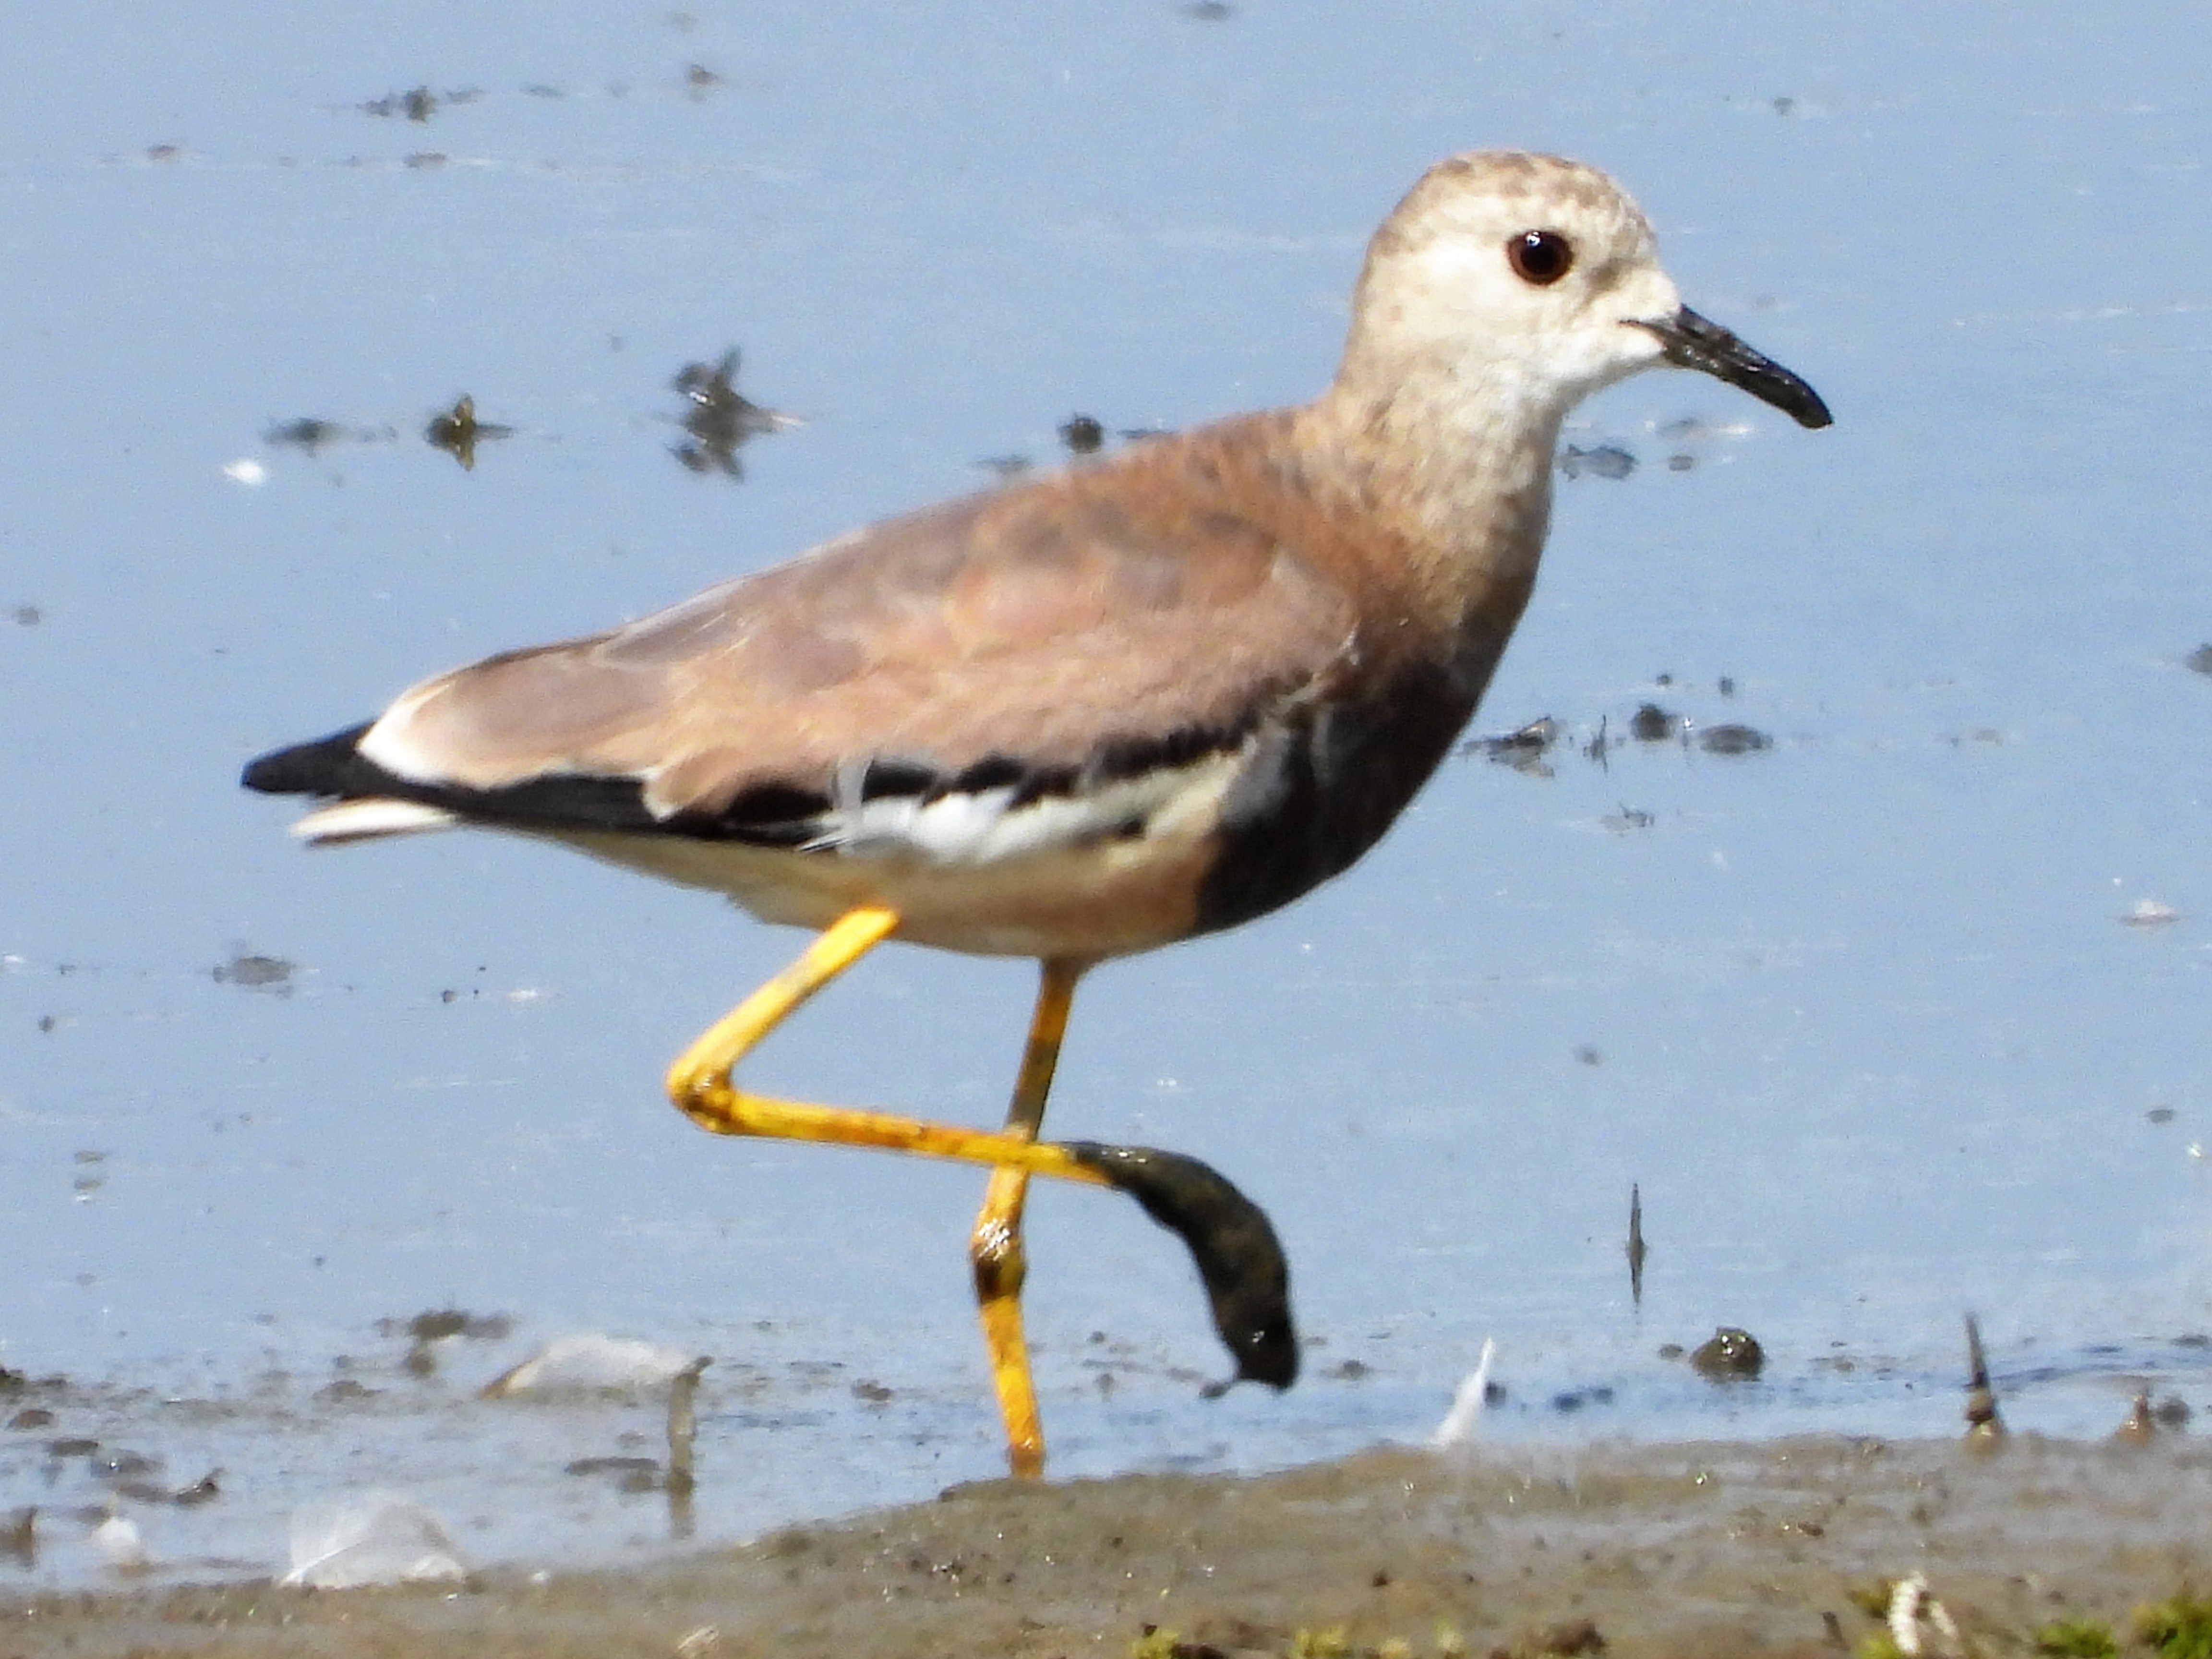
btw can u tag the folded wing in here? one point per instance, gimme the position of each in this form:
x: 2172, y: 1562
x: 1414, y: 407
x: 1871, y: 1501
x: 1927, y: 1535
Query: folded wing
x: 1055, y: 639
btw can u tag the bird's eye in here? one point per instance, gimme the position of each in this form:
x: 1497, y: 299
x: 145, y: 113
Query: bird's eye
x: 1540, y: 258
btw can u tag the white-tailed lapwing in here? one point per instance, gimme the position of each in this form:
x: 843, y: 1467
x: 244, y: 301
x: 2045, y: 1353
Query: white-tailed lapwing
x: 1092, y: 713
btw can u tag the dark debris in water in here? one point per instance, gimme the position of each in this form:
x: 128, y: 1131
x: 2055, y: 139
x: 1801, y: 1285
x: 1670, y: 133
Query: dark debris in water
x: 433, y: 1325
x: 418, y: 104
x: 1574, y: 1399
x: 2200, y: 660
x: 1730, y: 1354
x: 123, y: 1464
x: 436, y: 1324
x: 458, y: 432
x: 205, y: 1489
x: 1523, y: 750
x: 632, y: 1475
x: 1080, y: 435
x: 257, y: 973
x: 1531, y: 748
x: 1600, y: 461
x: 1731, y: 738
x: 312, y: 436
x: 719, y: 418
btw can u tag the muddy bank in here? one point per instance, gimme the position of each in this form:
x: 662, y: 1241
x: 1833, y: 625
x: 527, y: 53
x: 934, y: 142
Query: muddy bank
x: 1712, y: 1549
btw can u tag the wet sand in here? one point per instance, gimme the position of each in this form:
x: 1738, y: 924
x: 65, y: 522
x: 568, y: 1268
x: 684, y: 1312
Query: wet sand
x: 1705, y: 1549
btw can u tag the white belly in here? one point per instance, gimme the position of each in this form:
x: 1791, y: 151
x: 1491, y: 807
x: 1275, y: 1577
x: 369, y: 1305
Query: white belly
x: 1107, y: 899
x: 1076, y: 877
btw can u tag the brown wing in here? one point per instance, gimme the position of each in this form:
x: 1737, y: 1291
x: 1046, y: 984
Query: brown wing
x: 1084, y: 622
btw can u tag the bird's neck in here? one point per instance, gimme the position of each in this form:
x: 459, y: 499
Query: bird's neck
x: 1463, y: 472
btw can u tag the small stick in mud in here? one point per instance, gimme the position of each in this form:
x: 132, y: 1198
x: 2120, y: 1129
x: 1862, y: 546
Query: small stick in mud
x: 683, y: 1427
x: 1983, y: 1422
x: 683, y: 1424
x: 1637, y: 1250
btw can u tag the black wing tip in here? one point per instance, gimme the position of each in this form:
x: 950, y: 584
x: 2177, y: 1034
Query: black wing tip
x: 334, y: 769
x: 327, y: 765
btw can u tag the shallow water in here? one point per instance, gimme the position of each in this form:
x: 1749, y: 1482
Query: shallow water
x: 1871, y: 1016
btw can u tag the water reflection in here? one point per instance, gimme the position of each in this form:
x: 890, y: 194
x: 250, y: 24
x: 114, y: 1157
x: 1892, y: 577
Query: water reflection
x: 719, y: 418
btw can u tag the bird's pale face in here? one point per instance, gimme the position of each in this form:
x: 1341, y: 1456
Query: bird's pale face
x: 1515, y: 267
x: 1526, y: 282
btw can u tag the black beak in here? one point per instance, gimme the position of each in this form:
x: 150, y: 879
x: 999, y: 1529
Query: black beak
x: 1692, y: 342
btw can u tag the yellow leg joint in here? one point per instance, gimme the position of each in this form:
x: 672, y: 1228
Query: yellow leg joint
x: 704, y: 1091
x: 738, y: 1032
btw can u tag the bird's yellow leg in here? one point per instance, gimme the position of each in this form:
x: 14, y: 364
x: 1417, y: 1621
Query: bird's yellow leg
x: 996, y: 1248
x: 701, y: 1083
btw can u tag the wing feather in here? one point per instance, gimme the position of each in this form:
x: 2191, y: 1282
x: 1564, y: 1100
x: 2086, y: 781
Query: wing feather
x: 1077, y: 624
